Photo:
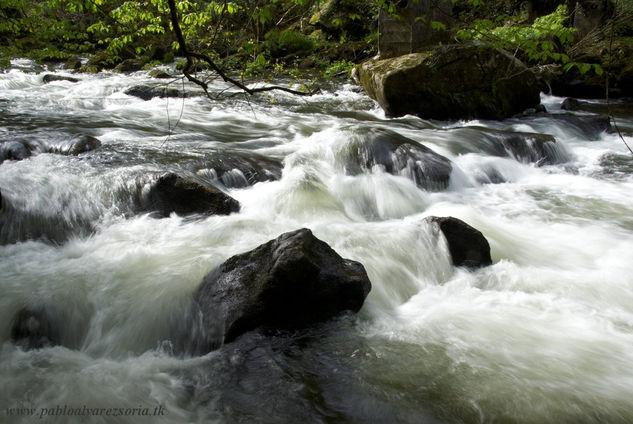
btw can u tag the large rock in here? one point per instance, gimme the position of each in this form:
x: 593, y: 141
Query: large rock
x: 288, y: 283
x: 398, y: 155
x: 172, y: 193
x: 467, y: 245
x: 463, y: 81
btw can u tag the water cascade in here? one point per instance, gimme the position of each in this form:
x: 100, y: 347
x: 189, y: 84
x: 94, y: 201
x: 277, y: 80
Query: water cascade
x: 544, y: 334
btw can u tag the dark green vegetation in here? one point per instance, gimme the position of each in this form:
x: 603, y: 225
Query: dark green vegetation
x: 253, y: 37
x: 247, y: 35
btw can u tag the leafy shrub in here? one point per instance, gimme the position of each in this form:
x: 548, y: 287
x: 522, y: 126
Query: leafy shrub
x: 288, y: 42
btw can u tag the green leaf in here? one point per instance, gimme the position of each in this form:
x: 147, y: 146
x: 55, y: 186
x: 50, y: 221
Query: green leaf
x: 598, y: 69
x: 438, y: 26
x: 584, y: 68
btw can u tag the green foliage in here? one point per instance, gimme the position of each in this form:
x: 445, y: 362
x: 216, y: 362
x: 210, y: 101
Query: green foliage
x: 544, y: 41
x: 340, y: 67
x: 288, y: 42
x: 256, y: 66
x: 253, y: 36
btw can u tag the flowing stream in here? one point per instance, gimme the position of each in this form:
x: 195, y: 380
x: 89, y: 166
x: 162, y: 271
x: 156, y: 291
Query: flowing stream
x: 545, y: 334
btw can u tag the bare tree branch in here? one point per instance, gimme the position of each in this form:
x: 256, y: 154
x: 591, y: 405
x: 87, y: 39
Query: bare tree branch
x: 190, y: 56
x: 608, y: 71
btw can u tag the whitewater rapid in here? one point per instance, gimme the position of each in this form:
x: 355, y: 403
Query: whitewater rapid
x: 542, y: 335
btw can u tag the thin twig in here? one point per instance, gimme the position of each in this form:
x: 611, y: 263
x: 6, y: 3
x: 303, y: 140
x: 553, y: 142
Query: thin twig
x: 190, y: 56
x: 608, y: 71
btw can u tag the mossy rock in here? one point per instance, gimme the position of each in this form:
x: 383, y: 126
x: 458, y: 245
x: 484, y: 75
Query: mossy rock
x: 101, y: 60
x: 130, y: 65
x: 460, y: 81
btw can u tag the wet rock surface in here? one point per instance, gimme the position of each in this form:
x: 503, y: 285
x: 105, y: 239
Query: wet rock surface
x: 467, y: 245
x: 147, y: 92
x: 398, y: 155
x: 290, y: 282
x: 13, y: 150
x: 48, y: 78
x: 173, y: 193
x: 465, y: 81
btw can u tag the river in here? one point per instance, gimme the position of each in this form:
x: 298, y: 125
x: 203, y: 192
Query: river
x: 545, y: 334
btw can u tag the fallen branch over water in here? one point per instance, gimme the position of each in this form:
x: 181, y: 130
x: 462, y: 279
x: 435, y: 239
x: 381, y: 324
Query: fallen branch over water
x: 189, y: 66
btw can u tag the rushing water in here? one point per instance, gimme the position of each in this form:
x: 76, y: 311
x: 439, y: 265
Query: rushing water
x: 545, y: 334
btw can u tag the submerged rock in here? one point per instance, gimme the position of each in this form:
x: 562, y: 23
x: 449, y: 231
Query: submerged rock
x: 290, y: 282
x: 51, y: 77
x: 13, y: 150
x: 235, y: 169
x: 74, y: 146
x: 621, y: 108
x: 33, y: 329
x: 540, y: 149
x: 590, y: 127
x: 525, y: 147
x: 398, y: 155
x: 172, y: 193
x: 19, y: 221
x: 147, y: 92
x: 462, y: 81
x: 467, y: 245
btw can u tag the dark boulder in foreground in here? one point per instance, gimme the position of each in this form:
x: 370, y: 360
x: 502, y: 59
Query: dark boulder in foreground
x: 52, y: 77
x: 460, y: 81
x: 290, y: 282
x: 32, y: 329
x: 468, y: 246
x: 74, y: 146
x: 399, y: 155
x: 13, y: 150
x: 172, y: 193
